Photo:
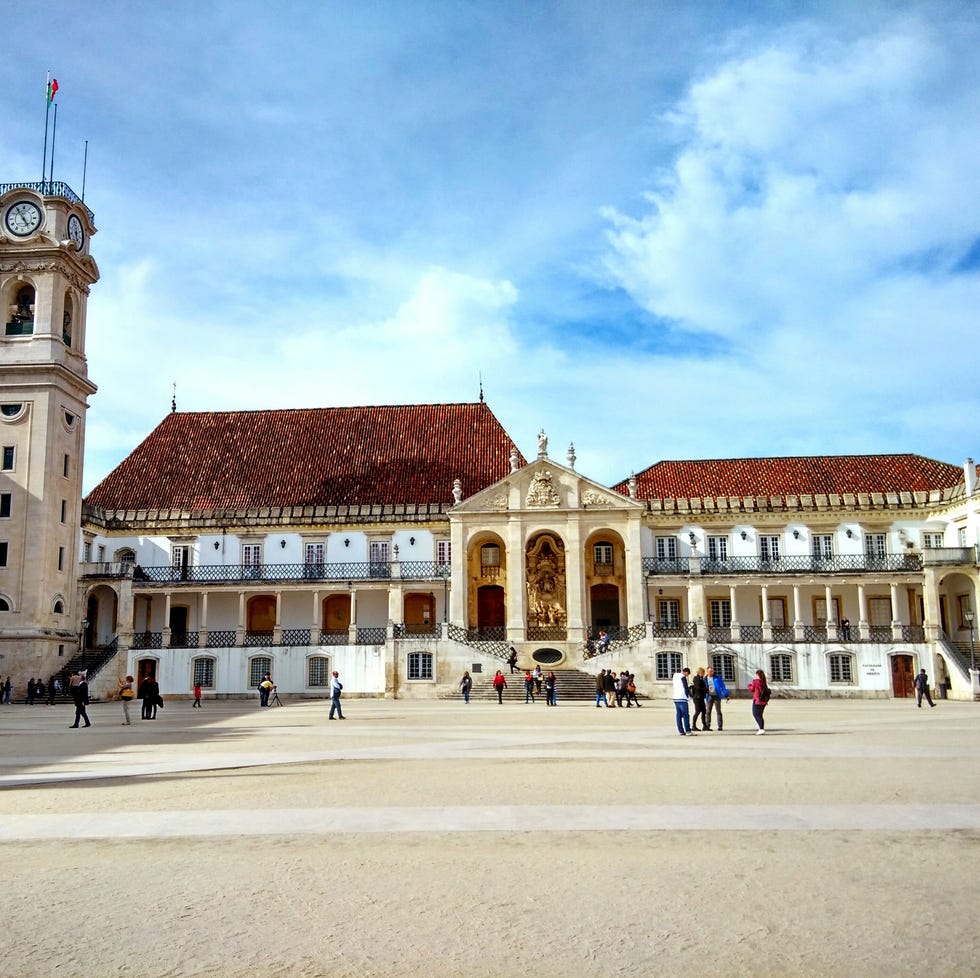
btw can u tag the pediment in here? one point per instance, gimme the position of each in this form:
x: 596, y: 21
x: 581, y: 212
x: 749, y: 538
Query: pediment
x: 545, y: 485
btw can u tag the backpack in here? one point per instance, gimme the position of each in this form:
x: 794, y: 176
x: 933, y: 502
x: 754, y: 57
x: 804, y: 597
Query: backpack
x: 764, y: 694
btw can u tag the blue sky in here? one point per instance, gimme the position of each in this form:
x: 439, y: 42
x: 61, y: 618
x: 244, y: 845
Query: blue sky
x: 656, y: 230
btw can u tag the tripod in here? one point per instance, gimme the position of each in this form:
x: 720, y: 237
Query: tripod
x: 274, y: 697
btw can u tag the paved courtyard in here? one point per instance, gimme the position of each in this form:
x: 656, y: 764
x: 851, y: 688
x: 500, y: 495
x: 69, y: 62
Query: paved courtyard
x: 439, y: 839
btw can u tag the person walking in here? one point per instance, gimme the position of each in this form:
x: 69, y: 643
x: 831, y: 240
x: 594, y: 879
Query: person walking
x: 528, y: 686
x: 7, y: 690
x: 761, y: 693
x: 631, y: 692
x: 54, y: 687
x: 512, y: 660
x: 609, y: 687
x: 79, y: 696
x: 126, y: 693
x: 921, y: 683
x: 699, y: 692
x: 499, y: 684
x: 336, y: 688
x: 197, y: 696
x: 717, y: 691
x: 465, y: 685
x: 682, y: 692
x: 600, y: 689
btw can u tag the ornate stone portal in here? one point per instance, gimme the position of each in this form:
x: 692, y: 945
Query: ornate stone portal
x: 545, y: 575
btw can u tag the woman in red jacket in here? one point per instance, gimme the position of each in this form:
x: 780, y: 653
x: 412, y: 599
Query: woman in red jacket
x: 498, y: 684
x: 759, y: 689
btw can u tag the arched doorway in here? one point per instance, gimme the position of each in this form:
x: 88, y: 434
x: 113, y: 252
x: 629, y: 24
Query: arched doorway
x: 145, y: 669
x: 260, y: 615
x: 420, y: 614
x: 902, y: 675
x: 490, y: 607
x: 336, y: 614
x: 605, y: 606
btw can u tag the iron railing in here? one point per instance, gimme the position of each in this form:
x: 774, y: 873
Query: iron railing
x: 185, y: 640
x: 841, y: 564
x: 423, y: 570
x: 546, y: 633
x: 659, y: 565
x: 489, y: 641
x: 374, y: 635
x: 226, y: 573
x: 334, y: 636
x: 676, y: 629
x: 222, y: 639
x: 750, y: 633
x: 49, y: 188
x: 295, y: 636
x: 147, y: 640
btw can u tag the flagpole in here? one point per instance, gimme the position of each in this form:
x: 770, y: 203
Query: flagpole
x: 47, y: 109
x: 54, y: 132
x: 84, y: 170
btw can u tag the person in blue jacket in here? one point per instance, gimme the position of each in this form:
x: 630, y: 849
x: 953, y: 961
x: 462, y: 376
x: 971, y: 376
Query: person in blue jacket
x: 717, y: 691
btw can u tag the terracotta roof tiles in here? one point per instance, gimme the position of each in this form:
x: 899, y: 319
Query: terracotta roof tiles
x: 381, y: 455
x: 801, y: 475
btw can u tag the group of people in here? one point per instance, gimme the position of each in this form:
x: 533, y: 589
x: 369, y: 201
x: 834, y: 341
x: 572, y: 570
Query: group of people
x: 36, y: 691
x: 707, y: 690
x: 612, y: 689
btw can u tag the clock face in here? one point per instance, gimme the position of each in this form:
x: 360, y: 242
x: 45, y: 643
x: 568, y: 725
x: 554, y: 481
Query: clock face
x: 75, y: 232
x: 23, y: 218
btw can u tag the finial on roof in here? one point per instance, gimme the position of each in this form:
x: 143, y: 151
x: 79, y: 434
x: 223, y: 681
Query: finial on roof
x: 481, y: 387
x: 632, y: 485
x: 457, y: 491
x: 571, y: 455
x: 513, y: 458
x: 173, y: 401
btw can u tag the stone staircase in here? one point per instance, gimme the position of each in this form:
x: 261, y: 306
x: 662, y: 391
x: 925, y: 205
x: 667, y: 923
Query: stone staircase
x: 573, y: 685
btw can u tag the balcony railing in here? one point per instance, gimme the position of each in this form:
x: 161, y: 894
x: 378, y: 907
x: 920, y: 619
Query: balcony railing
x: 935, y: 556
x: 48, y: 188
x: 842, y: 564
x: 676, y: 629
x: 661, y: 565
x: 225, y: 573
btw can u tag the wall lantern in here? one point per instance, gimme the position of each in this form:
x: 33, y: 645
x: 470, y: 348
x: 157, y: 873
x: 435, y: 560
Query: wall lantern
x: 796, y: 534
x: 411, y: 541
x: 347, y: 542
x: 743, y: 534
x: 691, y: 537
x: 282, y: 543
x: 217, y: 545
x: 849, y: 533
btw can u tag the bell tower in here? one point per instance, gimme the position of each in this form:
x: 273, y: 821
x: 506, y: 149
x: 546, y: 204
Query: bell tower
x: 45, y: 276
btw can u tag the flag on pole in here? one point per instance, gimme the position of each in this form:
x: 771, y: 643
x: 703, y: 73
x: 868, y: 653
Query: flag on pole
x: 52, y: 90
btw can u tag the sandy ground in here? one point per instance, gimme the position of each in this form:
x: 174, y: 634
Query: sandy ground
x: 447, y: 840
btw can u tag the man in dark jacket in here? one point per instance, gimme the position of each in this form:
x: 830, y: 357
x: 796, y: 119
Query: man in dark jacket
x: 79, y: 696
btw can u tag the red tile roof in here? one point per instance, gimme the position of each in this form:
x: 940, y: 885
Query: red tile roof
x: 384, y: 455
x: 793, y: 476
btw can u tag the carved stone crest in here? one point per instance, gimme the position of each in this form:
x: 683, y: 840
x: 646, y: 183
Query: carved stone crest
x: 542, y: 491
x: 592, y: 498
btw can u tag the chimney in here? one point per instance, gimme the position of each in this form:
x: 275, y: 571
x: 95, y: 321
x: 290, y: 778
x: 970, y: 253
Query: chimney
x: 970, y: 477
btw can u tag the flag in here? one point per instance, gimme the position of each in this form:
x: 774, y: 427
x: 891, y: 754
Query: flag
x: 52, y: 90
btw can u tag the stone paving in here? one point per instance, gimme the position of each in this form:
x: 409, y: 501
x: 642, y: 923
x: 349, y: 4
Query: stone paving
x: 842, y: 842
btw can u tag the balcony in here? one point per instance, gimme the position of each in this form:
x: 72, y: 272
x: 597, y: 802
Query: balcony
x: 808, y: 564
x: 274, y: 573
x: 950, y: 556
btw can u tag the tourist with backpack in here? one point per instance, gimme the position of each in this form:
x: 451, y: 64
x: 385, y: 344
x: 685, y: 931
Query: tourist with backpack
x: 761, y: 693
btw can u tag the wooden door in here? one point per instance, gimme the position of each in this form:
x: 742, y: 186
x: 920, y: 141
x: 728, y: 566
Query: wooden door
x: 902, y: 675
x: 490, y: 607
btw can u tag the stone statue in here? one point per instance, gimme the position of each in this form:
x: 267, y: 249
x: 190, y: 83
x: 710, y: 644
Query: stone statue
x: 457, y: 491
x: 542, y: 444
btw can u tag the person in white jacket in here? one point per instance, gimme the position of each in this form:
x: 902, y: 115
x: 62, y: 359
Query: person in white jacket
x: 682, y: 693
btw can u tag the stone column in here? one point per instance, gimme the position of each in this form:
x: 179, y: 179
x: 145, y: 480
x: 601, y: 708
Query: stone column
x: 864, y: 628
x: 766, y: 622
x: 798, y: 624
x: 165, y: 630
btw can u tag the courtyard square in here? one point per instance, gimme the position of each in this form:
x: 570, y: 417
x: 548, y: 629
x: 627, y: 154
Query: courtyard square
x: 441, y: 839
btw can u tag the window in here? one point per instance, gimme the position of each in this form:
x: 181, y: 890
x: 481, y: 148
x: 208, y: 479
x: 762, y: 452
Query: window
x: 769, y: 548
x: 490, y: 555
x: 11, y: 410
x: 781, y: 667
x: 720, y: 612
x: 932, y: 540
x: 61, y: 558
x: 880, y: 612
x: 21, y: 322
x: 4, y: 606
x: 180, y: 558
x: 666, y: 548
x: 8, y: 458
x: 379, y: 558
x: 5, y: 498
x: 776, y: 612
x: 841, y: 668
x: 820, y: 610
x: 962, y: 606
x: 64, y: 510
x: 126, y: 556
x: 3, y: 554
x: 257, y: 668
x: 961, y: 536
x: 66, y: 466
x: 670, y: 612
x: 603, y: 553
x: 420, y: 665
x: 314, y: 553
x: 59, y: 608
x: 101, y: 553
x: 252, y: 559
x: 823, y: 545
x: 87, y: 551
x: 444, y: 553
x: 874, y: 545
x: 724, y: 666
x: 202, y: 672
x: 718, y: 548
x: 667, y: 663
x: 318, y: 671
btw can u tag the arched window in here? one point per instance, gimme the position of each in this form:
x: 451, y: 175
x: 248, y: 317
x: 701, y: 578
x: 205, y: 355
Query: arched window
x: 318, y: 671
x: 419, y: 665
x: 4, y: 605
x: 126, y: 555
x: 842, y: 668
x: 202, y: 672
x: 668, y: 663
x: 21, y: 312
x: 781, y: 667
x: 724, y: 664
x: 59, y: 608
x: 258, y: 666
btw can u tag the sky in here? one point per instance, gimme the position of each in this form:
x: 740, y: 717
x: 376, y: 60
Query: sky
x: 660, y: 230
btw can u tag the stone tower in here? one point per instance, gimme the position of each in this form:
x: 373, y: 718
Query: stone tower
x: 45, y: 276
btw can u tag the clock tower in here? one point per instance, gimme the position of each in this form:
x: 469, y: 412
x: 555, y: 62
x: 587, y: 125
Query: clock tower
x: 45, y: 276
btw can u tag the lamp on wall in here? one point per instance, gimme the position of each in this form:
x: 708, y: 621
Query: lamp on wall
x: 217, y: 544
x: 347, y: 541
x: 743, y: 534
x: 849, y: 533
x: 796, y: 534
x: 411, y: 541
x: 282, y: 543
x: 691, y: 537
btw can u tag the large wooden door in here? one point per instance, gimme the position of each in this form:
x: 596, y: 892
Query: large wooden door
x: 902, y: 675
x: 490, y: 607
x: 605, y: 606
